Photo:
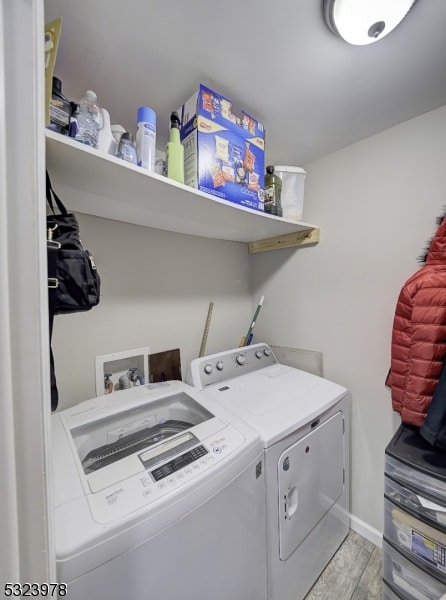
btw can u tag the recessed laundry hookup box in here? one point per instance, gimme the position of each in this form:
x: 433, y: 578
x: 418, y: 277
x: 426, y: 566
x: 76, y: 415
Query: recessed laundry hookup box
x: 121, y: 370
x: 224, y: 153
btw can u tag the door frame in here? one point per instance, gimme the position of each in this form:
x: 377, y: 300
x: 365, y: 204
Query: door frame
x: 27, y: 549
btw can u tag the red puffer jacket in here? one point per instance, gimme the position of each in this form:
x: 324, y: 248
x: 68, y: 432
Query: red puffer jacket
x: 419, y: 334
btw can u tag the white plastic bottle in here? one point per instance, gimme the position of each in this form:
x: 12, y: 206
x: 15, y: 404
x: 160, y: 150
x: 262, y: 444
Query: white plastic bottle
x: 89, y: 120
x: 146, y: 137
x: 106, y: 141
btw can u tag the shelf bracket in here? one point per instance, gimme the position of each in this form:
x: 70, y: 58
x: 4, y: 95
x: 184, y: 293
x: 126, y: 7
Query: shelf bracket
x: 308, y: 237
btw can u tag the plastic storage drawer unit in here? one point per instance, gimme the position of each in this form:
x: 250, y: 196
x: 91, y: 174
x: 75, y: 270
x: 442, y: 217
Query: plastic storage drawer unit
x: 409, y: 581
x: 411, y: 460
x: 414, y: 546
x: 421, y: 542
x: 416, y: 502
x: 389, y: 594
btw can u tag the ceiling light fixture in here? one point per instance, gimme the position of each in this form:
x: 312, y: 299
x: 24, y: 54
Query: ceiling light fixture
x: 361, y: 22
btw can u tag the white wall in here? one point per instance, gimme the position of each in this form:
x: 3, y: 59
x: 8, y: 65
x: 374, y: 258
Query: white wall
x: 156, y: 290
x: 376, y: 203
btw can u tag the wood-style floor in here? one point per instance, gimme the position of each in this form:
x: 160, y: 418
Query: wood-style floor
x: 354, y: 573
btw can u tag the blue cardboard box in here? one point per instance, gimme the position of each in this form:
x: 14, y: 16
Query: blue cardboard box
x: 224, y: 153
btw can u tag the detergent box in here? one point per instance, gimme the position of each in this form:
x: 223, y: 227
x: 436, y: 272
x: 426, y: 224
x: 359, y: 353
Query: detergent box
x: 224, y: 153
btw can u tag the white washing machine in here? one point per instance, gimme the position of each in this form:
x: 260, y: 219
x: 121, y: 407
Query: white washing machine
x: 303, y: 421
x: 158, y: 493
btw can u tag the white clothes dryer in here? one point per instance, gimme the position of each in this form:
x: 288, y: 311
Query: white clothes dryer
x: 303, y: 421
x: 158, y: 493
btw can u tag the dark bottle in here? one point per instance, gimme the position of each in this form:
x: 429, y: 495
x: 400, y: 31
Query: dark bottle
x: 273, y: 190
x: 60, y: 109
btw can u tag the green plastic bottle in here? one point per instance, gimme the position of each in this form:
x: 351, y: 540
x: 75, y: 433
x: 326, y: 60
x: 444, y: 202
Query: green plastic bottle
x: 273, y: 191
x: 175, y: 151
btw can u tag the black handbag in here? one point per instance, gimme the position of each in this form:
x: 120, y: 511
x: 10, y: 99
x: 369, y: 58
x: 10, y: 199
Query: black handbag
x: 73, y: 280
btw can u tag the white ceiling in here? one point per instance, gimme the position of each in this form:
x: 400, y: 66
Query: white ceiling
x: 313, y: 92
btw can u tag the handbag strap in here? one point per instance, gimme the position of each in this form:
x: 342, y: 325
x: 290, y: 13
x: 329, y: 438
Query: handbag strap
x: 52, y: 300
x: 54, y: 390
x: 53, y: 282
x: 50, y: 194
x: 52, y: 249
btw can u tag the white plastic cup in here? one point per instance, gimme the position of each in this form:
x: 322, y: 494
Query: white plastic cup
x: 292, y: 198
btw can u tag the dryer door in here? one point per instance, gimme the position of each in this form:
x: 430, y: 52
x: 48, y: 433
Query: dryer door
x: 311, y: 480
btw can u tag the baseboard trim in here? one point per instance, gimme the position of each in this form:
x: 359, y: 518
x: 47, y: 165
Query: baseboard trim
x: 367, y: 531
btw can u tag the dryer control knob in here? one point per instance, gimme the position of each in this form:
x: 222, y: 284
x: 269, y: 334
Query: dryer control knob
x: 259, y: 354
x: 208, y: 369
x: 220, y: 365
x: 241, y: 359
x: 267, y: 352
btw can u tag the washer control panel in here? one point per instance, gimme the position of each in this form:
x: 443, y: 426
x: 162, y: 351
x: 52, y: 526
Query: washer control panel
x: 167, y: 477
x: 179, y: 463
x: 216, y: 368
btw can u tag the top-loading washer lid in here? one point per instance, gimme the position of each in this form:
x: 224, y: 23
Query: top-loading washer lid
x: 277, y: 399
x: 114, y: 435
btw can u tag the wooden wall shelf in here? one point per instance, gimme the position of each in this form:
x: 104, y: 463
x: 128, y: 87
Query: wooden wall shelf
x: 101, y: 185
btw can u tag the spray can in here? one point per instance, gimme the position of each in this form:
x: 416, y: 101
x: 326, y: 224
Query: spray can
x: 146, y: 137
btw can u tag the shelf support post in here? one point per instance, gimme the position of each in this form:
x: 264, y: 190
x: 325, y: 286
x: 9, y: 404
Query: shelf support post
x: 309, y: 237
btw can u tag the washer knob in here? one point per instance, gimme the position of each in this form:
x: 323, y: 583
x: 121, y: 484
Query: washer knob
x: 259, y: 354
x: 241, y: 359
x: 220, y: 365
x: 267, y: 352
x: 208, y: 369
